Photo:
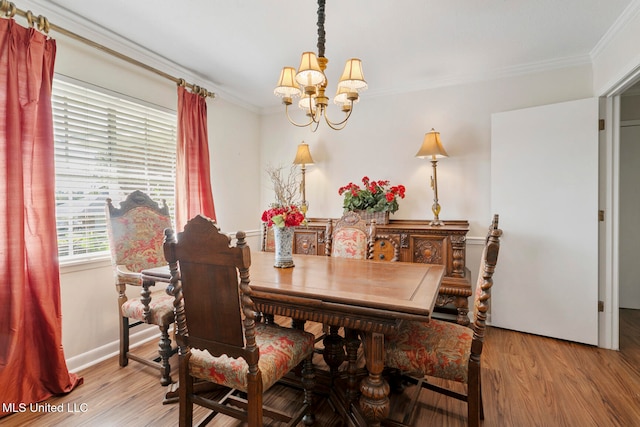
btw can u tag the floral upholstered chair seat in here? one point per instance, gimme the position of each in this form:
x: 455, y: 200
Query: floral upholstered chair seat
x: 160, y: 309
x: 350, y: 243
x: 436, y: 348
x: 281, y: 350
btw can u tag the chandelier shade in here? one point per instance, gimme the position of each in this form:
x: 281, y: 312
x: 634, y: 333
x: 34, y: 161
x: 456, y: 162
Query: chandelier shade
x: 345, y: 97
x: 287, y: 85
x: 352, y: 76
x: 307, y: 103
x: 309, y: 72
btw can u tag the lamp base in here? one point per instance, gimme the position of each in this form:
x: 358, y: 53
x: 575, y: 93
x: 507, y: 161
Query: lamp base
x: 436, y: 223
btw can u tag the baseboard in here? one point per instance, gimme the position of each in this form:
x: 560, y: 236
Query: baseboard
x: 97, y: 355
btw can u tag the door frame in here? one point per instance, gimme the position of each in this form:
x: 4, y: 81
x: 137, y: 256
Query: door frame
x: 609, y: 272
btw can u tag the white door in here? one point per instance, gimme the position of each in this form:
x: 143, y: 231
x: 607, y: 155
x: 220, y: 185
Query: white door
x: 544, y: 186
x: 629, y: 235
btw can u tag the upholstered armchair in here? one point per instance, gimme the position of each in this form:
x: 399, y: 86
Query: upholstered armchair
x: 448, y: 350
x: 136, y: 233
x: 219, y: 339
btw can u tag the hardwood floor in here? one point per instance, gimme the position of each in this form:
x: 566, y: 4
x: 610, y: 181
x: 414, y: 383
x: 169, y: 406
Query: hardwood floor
x: 527, y: 381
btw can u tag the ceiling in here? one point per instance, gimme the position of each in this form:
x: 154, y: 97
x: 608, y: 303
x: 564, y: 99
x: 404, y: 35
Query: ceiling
x: 240, y: 46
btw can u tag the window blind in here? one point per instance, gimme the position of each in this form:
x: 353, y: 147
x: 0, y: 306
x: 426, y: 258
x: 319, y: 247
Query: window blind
x: 106, y: 146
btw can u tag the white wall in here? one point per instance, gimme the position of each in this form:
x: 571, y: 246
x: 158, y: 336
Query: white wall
x: 89, y: 299
x: 384, y: 134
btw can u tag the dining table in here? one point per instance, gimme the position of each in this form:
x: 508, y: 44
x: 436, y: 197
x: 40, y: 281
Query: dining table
x: 366, y: 298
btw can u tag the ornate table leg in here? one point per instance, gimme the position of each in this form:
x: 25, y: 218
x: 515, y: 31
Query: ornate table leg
x: 374, y: 400
x: 353, y: 343
x: 333, y: 350
x: 462, y: 305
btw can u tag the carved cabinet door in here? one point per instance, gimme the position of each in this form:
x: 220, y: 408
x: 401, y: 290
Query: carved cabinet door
x: 431, y: 250
x: 305, y: 242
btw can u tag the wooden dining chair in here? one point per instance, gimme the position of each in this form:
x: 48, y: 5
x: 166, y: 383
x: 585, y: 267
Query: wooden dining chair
x: 136, y: 233
x: 219, y: 340
x: 349, y: 237
x: 448, y: 350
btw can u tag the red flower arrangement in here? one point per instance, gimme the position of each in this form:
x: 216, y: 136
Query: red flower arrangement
x: 283, y: 216
x: 376, y: 196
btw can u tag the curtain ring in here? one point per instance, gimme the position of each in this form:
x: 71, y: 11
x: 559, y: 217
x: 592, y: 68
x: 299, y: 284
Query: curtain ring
x: 182, y: 82
x: 8, y: 8
x: 43, y: 24
x: 30, y: 18
x: 47, y: 26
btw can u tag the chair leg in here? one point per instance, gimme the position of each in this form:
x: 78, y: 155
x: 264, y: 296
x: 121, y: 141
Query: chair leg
x: 124, y: 341
x: 308, y: 383
x: 185, y: 391
x: 480, y: 395
x: 473, y: 400
x: 254, y: 399
x: 165, y: 354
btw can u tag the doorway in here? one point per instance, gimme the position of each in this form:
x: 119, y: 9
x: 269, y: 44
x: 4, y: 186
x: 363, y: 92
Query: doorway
x: 629, y: 211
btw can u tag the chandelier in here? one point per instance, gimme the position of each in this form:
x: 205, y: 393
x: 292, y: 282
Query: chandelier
x: 310, y: 83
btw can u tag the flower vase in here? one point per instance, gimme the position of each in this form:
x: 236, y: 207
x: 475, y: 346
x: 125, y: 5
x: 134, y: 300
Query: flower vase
x: 284, y: 246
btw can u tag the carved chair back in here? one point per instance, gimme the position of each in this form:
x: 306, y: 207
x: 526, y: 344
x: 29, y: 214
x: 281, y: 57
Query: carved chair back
x: 136, y: 231
x: 349, y: 237
x: 211, y: 280
x: 483, y: 286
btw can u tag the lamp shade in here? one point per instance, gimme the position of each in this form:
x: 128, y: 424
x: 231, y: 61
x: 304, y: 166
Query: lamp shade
x: 287, y: 85
x: 303, y: 155
x: 432, y: 146
x: 352, y: 76
x: 309, y: 72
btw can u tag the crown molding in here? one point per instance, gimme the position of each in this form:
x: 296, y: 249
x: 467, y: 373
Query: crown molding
x: 68, y: 20
x: 462, y: 79
x: 631, y: 11
x: 488, y: 75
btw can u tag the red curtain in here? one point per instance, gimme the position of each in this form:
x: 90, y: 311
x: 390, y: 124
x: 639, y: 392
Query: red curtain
x: 32, y: 364
x: 193, y: 181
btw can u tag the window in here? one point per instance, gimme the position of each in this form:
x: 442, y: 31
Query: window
x: 106, y: 145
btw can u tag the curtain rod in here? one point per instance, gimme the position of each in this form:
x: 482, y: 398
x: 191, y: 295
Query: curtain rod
x: 9, y: 10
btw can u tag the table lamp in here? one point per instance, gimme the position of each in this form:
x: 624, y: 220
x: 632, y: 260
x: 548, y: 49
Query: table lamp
x: 432, y: 147
x: 303, y: 158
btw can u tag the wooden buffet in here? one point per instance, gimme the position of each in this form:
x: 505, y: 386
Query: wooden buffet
x: 408, y: 241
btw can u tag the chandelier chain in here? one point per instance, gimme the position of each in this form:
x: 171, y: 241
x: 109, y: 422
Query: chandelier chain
x: 321, y: 33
